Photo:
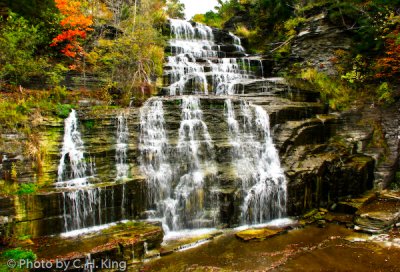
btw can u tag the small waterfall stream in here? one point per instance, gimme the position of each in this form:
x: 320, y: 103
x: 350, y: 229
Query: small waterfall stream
x: 122, y: 146
x: 72, y: 169
x: 176, y: 190
x: 237, y: 42
x: 81, y: 200
x: 154, y: 159
x: 195, y: 150
x: 256, y: 162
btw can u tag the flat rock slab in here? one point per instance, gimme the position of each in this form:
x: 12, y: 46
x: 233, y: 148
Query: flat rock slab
x: 120, y: 242
x: 258, y: 234
x: 351, y: 206
x: 380, y: 214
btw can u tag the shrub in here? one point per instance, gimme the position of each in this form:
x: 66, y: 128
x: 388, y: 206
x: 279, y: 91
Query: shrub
x: 58, y: 93
x: 242, y: 31
x: 385, y: 94
x: 88, y: 124
x: 17, y: 254
x: 18, y: 44
x: 27, y: 188
x: 292, y: 24
x: 395, y: 185
x: 333, y: 91
x: 56, y: 75
x: 24, y: 237
x: 63, y: 110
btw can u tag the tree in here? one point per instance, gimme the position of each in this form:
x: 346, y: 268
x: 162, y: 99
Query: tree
x: 18, y: 44
x: 32, y: 10
x: 176, y: 9
x: 133, y: 60
x: 75, y: 26
x: 388, y: 66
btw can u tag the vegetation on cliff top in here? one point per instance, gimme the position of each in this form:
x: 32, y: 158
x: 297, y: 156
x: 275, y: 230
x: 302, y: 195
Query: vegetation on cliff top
x: 271, y: 26
x: 119, y: 42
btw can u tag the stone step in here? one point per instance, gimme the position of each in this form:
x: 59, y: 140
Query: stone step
x: 379, y: 214
x: 42, y: 214
x: 122, y: 243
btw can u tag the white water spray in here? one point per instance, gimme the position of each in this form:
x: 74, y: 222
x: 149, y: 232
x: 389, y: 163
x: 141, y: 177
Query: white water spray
x: 122, y: 146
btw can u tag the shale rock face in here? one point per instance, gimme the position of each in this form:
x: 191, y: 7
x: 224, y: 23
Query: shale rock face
x: 317, y: 41
x: 320, y: 166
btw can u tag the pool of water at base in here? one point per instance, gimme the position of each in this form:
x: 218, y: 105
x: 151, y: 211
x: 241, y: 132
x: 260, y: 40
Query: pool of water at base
x: 332, y: 248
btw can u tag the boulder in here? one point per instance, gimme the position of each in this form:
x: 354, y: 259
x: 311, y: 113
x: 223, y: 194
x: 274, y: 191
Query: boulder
x: 380, y: 214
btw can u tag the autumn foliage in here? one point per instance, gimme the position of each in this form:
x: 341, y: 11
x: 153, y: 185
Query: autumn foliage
x: 389, y: 65
x: 75, y: 26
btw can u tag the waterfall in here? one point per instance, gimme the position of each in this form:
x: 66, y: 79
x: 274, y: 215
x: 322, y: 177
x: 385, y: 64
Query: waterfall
x: 81, y: 201
x: 196, y: 66
x: 257, y: 164
x: 237, y: 42
x: 197, y: 41
x: 153, y: 149
x: 266, y: 198
x: 122, y: 146
x: 82, y: 208
x: 154, y: 160
x: 182, y: 178
x: 262, y: 69
x: 182, y: 70
x: 176, y: 188
x: 72, y: 167
x: 187, y: 183
x: 227, y: 73
x: 196, y: 151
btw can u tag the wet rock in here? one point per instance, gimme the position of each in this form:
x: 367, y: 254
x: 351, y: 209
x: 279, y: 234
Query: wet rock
x: 343, y: 219
x: 321, y: 223
x: 320, y: 177
x: 351, y: 206
x: 380, y: 214
x: 122, y: 242
x: 258, y: 234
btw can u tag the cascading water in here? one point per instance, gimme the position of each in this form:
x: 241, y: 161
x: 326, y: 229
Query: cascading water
x: 256, y: 162
x: 196, y: 152
x: 176, y: 190
x: 121, y: 155
x: 183, y: 187
x: 122, y: 146
x: 196, y: 66
x: 187, y: 44
x: 82, y: 208
x: 237, y: 42
x: 180, y: 159
x: 80, y: 199
x: 227, y: 73
x: 72, y: 167
x: 155, y: 162
x: 266, y: 198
